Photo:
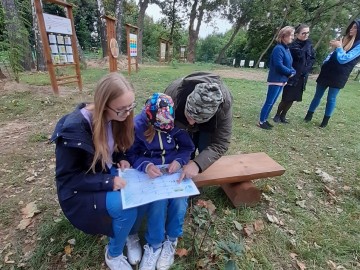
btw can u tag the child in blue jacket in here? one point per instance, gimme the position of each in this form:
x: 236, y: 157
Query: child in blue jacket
x: 158, y: 142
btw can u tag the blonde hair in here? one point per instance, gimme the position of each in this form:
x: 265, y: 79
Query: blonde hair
x: 348, y: 41
x: 284, y: 32
x: 110, y: 87
x: 149, y: 133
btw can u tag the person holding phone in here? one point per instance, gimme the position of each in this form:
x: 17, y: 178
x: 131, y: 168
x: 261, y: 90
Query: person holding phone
x: 335, y: 71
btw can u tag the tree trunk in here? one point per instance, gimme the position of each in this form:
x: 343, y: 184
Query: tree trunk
x: 39, y: 48
x: 18, y: 37
x: 118, y: 16
x: 2, y: 75
x: 143, y: 5
x: 173, y: 13
x: 102, y: 27
x: 273, y: 38
x: 227, y: 45
x: 194, y: 33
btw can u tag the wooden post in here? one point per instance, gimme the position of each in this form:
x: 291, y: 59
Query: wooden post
x: 46, y: 46
x: 113, y: 53
x: 182, y: 53
x: 129, y: 29
x: 74, y: 48
x: 166, y: 42
x: 128, y: 48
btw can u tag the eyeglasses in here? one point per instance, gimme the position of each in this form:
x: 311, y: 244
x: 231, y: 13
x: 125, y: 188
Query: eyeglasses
x: 305, y: 33
x: 125, y: 111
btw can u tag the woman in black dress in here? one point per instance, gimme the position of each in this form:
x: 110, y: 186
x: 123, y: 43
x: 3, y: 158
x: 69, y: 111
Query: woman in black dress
x: 303, y: 55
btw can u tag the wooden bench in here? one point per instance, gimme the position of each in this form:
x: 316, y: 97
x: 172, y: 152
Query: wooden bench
x: 235, y: 173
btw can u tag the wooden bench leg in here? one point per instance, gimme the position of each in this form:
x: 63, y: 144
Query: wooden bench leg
x: 244, y: 193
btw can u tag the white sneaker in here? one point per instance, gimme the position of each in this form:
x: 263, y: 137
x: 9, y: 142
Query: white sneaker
x: 149, y: 258
x: 167, y: 255
x: 133, y: 249
x: 116, y: 263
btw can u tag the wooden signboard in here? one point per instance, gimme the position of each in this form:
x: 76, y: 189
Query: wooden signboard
x: 131, y: 37
x: 59, y: 41
x: 113, y: 47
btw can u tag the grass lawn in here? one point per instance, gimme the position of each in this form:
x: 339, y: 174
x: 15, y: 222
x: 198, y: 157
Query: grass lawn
x: 309, y: 217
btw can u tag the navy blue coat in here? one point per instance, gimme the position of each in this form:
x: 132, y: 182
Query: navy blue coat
x: 280, y: 65
x: 81, y: 193
x: 164, y: 149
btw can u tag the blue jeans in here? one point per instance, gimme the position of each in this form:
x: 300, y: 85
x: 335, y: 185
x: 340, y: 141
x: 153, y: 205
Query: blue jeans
x: 122, y: 222
x: 271, y: 97
x: 162, y: 217
x: 331, y: 99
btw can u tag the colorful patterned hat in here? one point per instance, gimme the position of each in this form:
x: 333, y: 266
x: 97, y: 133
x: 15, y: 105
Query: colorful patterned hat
x: 160, y: 112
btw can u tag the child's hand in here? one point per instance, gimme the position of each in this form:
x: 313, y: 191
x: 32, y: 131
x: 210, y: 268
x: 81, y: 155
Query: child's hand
x: 119, y: 183
x: 174, y: 166
x: 153, y: 171
x: 123, y: 164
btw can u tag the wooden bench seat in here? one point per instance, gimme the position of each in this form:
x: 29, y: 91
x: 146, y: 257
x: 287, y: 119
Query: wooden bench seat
x: 234, y: 174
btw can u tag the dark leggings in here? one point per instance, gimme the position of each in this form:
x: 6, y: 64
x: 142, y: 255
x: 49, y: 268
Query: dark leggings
x: 283, y: 108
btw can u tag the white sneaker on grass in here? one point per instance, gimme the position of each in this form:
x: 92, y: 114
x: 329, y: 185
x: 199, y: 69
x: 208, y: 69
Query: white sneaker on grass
x: 149, y: 258
x: 116, y: 263
x: 133, y: 249
x: 167, y: 255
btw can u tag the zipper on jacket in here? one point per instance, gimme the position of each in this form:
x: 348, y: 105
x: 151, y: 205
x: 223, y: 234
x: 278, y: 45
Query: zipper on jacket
x: 161, y: 147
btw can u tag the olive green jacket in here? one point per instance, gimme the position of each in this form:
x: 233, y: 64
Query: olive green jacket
x: 220, y: 125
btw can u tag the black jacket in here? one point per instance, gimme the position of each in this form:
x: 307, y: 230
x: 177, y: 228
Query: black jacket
x: 303, y: 55
x: 334, y: 74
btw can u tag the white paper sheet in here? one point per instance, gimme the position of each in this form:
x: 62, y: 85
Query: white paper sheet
x: 140, y: 189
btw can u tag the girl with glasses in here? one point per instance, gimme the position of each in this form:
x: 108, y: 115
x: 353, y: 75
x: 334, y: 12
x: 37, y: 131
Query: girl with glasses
x: 88, y: 142
x: 303, y: 55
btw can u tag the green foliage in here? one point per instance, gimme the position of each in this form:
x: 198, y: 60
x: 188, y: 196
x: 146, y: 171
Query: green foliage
x: 209, y: 47
x: 16, y: 35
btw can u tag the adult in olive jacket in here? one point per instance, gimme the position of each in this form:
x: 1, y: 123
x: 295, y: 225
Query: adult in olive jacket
x: 203, y: 106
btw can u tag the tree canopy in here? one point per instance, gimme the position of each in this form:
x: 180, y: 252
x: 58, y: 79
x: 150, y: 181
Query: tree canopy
x: 255, y: 23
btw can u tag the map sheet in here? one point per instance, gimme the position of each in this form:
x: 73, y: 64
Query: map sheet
x: 140, y: 189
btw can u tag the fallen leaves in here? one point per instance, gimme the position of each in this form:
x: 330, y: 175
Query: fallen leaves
x: 7, y: 259
x: 300, y: 265
x: 325, y: 177
x: 274, y: 219
x: 29, y: 211
x: 333, y: 265
x: 238, y: 226
x: 257, y: 226
x: 301, y: 203
x: 181, y: 252
x: 207, y: 204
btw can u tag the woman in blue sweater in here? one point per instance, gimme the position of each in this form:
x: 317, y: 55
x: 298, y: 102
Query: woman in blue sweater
x: 336, y: 70
x: 280, y: 70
